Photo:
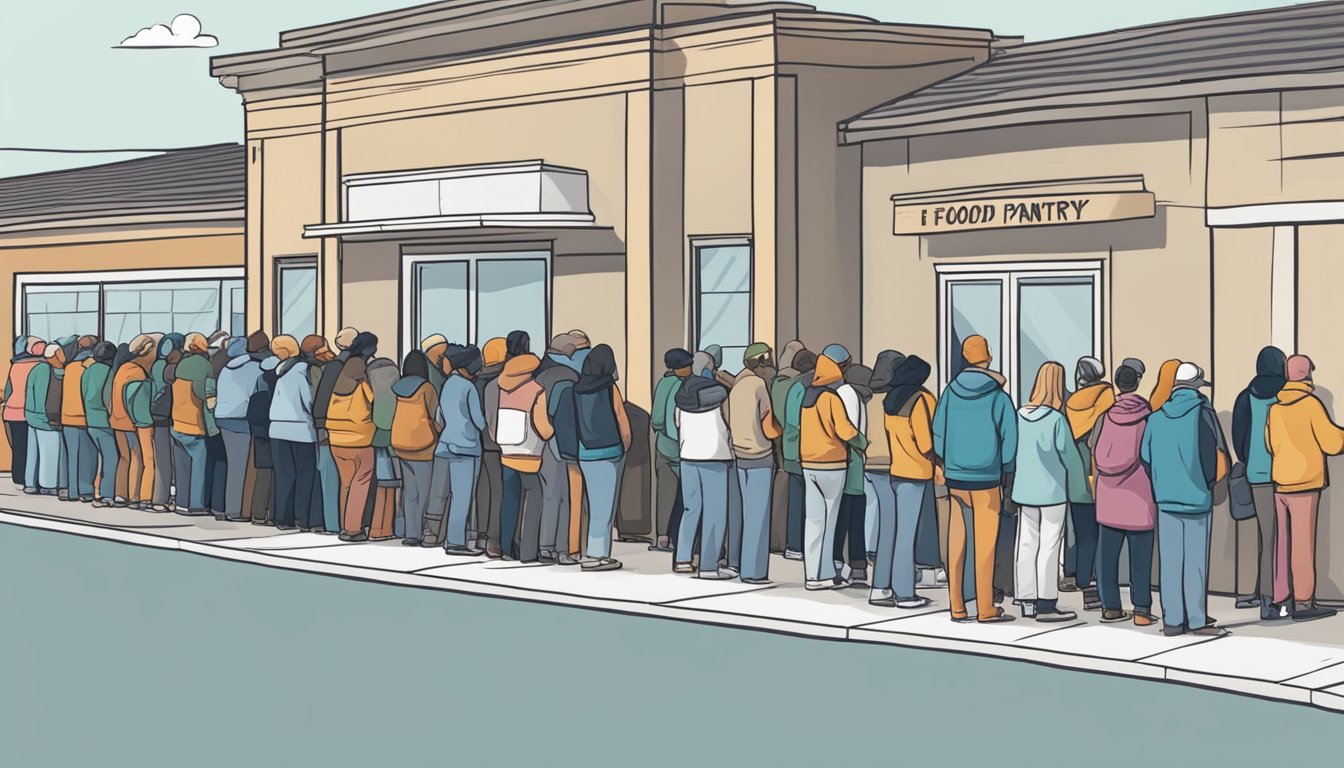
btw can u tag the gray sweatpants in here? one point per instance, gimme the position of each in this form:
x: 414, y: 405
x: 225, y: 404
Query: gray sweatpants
x: 415, y: 496
x: 554, y: 502
x: 237, y: 449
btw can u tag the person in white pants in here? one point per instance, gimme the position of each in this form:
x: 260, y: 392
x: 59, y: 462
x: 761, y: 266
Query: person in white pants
x: 1048, y: 465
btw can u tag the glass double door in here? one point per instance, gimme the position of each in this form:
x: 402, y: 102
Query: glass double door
x: 1029, y: 315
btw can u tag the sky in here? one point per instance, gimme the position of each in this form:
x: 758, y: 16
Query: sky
x: 63, y: 85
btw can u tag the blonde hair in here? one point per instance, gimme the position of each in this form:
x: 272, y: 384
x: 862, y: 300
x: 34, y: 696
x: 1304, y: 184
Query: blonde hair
x: 1049, y: 388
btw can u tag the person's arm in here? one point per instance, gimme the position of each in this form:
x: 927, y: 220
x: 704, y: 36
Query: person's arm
x: 769, y: 424
x: 940, y: 429
x: 1208, y: 450
x: 844, y: 428
x: 431, y: 401
x: 658, y: 414
x: 474, y: 407
x: 540, y: 419
x: 1145, y: 453
x: 1329, y: 436
x: 1241, y: 426
x: 921, y: 425
x: 1076, y: 474
x: 622, y: 418
x: 1008, y: 433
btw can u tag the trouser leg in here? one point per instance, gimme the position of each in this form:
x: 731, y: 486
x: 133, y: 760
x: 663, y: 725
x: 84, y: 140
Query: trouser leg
x: 164, y: 455
x: 888, y: 507
x: 1302, y: 512
x: 1047, y: 557
x: 959, y: 523
x: 797, y: 506
x: 148, y: 463
x: 237, y: 446
x: 1109, y: 541
x: 756, y: 484
x: 910, y: 499
x: 693, y: 499
x: 1263, y: 570
x: 601, y: 480
x: 1171, y: 542
x: 1084, y: 519
x: 511, y: 498
x: 555, y: 497
x: 1141, y: 570
x: 667, y: 492
x: 421, y: 489
x: 824, y: 488
x: 529, y: 518
x: 286, y: 479
x: 733, y: 541
x: 463, y: 473
x: 18, y: 448
x: 985, y: 505
x: 106, y: 442
x: 1028, y: 548
x: 928, y: 538
x: 714, y: 520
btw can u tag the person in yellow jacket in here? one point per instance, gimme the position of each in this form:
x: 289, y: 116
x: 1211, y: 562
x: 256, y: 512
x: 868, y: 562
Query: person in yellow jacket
x: 80, y: 456
x: 1085, y: 406
x: 135, y: 465
x: 827, y: 434
x: 351, y: 430
x: 1299, y: 434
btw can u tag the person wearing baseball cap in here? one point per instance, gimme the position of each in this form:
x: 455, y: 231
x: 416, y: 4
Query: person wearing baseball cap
x: 1180, y: 448
x: 975, y: 438
x: 667, y: 460
x: 1300, y: 434
x: 754, y: 429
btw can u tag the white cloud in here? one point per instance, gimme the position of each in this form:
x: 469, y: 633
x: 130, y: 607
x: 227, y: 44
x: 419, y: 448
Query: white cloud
x: 184, y: 31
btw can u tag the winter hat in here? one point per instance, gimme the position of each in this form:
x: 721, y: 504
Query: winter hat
x: 285, y: 347
x: 237, y: 347
x: 37, y: 348
x: 56, y: 354
x: 702, y: 364
x: 104, y: 352
x: 315, y: 346
x: 1132, y: 363
x: 758, y: 349
x: 517, y: 343
x: 1089, y: 371
x: 1190, y: 376
x: 195, y: 342
x: 467, y: 358
x: 345, y: 337
x: 581, y: 340
x: 257, y: 341
x: 1126, y: 378
x: 789, y: 352
x: 562, y: 344
x: 432, y: 341
x: 677, y: 358
x: 837, y: 353
x: 975, y: 350
x: 495, y: 351
x: 715, y: 353
x: 1300, y: 368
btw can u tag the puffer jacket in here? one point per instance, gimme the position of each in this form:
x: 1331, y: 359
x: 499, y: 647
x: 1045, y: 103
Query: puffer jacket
x: 350, y: 409
x: 415, y: 433
x: 1124, y: 490
x: 702, y: 429
x: 72, y: 397
x: 292, y: 404
x: 237, y: 383
x: 1300, y: 435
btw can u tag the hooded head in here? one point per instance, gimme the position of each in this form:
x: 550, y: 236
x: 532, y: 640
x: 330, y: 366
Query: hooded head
x: 715, y: 353
x: 805, y: 361
x: 1166, y: 381
x: 518, y: 343
x: 757, y: 355
x: 195, y: 344
x: 562, y: 344
x: 1088, y: 372
x: 104, y: 352
x: 495, y: 352
x: 599, y: 370
x: 860, y: 377
x: 415, y: 364
x: 170, y: 343
x: 1049, y: 388
x: 1127, y: 379
x: 363, y: 346
x: 344, y: 338
x: 907, y: 379
x: 284, y: 347
x: 518, y: 371
x: 142, y: 349
x: 581, y: 340
x: 789, y: 352
x: 86, y: 342
x: 1271, y: 366
x: 257, y: 342
x: 465, y: 358
x: 352, y: 373
x: 677, y: 359
x: 314, y: 347
x: 55, y: 355
x: 975, y: 351
x: 883, y: 367
x: 702, y: 364
x: 828, y: 372
x: 237, y: 348
x: 21, y: 345
x: 1299, y: 368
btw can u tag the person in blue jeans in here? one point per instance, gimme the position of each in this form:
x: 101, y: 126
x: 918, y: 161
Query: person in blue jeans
x: 706, y: 454
x: 1180, y: 449
x: 457, y: 458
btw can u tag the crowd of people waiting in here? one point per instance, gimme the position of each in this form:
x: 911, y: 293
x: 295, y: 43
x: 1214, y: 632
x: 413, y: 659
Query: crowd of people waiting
x: 499, y: 452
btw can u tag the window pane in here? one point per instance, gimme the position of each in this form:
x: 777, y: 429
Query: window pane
x: 725, y: 319
x: 510, y: 296
x: 298, y: 301
x: 725, y: 268
x: 1054, y: 324
x: 156, y: 299
x: 441, y: 306
x: 120, y: 299
x: 974, y: 309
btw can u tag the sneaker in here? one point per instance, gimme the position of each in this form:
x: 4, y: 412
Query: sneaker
x: 882, y: 602
x: 662, y: 545
x: 735, y: 571
x: 1312, y: 612
x: 1170, y: 631
x: 1113, y: 615
x: 564, y: 558
x: 683, y: 567
x: 722, y: 574
x: 1252, y: 601
x: 408, y: 542
x: 1055, y: 616
x: 859, y: 576
x: 792, y: 554
x: 757, y: 582
x: 816, y: 585
x: 1210, y: 631
x: 602, y: 564
x: 101, y: 504
x: 462, y: 551
x: 1002, y: 617
x: 545, y: 557
x: 940, y: 577
x: 279, y: 527
x: 1276, y: 612
x: 353, y: 537
x: 910, y: 603
x: 63, y: 495
x: 1068, y: 584
x: 839, y: 582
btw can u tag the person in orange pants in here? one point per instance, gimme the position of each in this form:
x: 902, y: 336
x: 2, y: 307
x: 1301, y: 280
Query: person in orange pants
x: 975, y: 438
x: 350, y: 425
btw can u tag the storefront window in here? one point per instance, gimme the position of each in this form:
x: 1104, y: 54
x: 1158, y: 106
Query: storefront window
x: 723, y: 300
x: 297, y: 298
x: 441, y: 301
x: 118, y: 309
x: 511, y: 295
x: 1029, y: 313
x: 53, y: 311
x: 472, y: 298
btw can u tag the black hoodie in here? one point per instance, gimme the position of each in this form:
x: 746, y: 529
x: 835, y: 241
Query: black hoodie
x: 362, y: 347
x: 907, y: 380
x: 1271, y: 367
x: 699, y: 394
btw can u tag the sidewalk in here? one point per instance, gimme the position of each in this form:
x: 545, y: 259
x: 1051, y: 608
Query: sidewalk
x: 1300, y: 663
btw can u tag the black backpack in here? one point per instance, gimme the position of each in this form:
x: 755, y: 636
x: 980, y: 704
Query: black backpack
x: 161, y: 407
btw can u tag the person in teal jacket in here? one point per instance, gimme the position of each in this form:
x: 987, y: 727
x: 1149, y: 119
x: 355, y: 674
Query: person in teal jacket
x: 1180, y: 449
x: 42, y: 412
x: 93, y: 389
x: 790, y: 444
x: 668, y: 463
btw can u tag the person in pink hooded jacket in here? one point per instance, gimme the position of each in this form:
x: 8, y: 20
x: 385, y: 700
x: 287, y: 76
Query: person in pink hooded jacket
x: 1125, y: 507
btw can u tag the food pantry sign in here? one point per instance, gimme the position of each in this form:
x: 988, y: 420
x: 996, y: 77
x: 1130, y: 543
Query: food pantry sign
x: 1034, y: 211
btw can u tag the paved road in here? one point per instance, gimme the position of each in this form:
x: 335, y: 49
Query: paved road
x: 115, y: 655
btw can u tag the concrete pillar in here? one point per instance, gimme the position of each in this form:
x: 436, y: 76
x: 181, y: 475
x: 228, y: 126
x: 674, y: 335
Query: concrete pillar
x: 1283, y: 290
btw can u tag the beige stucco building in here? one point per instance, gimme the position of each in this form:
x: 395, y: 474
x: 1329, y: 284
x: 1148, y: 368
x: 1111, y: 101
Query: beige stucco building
x: 657, y: 174
x: 1173, y: 191
x: 154, y: 244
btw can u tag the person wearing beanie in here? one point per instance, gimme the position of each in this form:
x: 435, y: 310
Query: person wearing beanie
x: 351, y: 431
x: 582, y: 347
x: 715, y: 353
x: 1092, y: 398
x: 484, y: 522
x: 706, y: 458
x: 667, y: 444
x: 132, y: 390
x: 323, y: 366
x: 1126, y: 510
x: 293, y: 436
x: 1250, y: 414
x: 789, y: 482
x: 791, y: 452
x: 434, y: 347
x: 1180, y: 449
x: 16, y: 425
x: 42, y: 410
x: 93, y: 388
x: 517, y: 343
x: 561, y: 479
x: 520, y: 426
x: 344, y: 337
x: 261, y: 500
x: 1300, y: 435
x: 907, y: 417
x: 80, y: 459
x: 754, y: 429
x: 975, y: 438
x: 852, y: 524
x: 193, y: 392
x: 236, y: 385
x: 827, y: 435
x: 457, y: 454
x: 169, y: 460
x: 1166, y: 382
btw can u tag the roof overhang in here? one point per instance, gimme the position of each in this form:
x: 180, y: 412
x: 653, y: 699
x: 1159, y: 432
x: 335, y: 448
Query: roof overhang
x: 453, y: 224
